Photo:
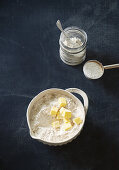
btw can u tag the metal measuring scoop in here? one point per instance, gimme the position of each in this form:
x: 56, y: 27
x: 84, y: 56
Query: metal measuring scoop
x: 93, y: 69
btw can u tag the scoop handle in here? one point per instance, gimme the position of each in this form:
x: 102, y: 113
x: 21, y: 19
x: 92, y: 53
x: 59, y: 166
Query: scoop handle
x: 82, y: 94
x: 111, y: 66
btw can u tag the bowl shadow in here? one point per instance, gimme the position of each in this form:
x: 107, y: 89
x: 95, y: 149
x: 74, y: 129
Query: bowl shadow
x: 93, y: 149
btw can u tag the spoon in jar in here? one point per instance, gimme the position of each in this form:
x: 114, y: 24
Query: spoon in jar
x: 59, y: 25
x: 93, y: 69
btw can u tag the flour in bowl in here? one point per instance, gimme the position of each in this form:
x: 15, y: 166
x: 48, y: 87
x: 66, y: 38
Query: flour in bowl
x: 41, y: 119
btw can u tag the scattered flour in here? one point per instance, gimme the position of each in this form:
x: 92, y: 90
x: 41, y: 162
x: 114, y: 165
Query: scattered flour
x: 41, y: 119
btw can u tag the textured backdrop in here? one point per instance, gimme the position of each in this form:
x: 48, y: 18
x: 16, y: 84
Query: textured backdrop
x: 30, y: 63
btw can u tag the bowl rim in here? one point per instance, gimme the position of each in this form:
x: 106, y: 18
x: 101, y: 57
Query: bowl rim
x: 28, y: 116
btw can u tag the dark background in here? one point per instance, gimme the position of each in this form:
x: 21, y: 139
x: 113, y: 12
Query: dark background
x: 30, y: 63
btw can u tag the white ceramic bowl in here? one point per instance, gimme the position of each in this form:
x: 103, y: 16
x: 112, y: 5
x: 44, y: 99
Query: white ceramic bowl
x: 68, y: 93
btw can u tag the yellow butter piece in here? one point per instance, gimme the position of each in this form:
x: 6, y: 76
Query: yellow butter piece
x: 66, y: 120
x: 56, y: 124
x: 59, y: 116
x: 67, y: 126
x: 62, y: 110
x: 66, y: 114
x: 54, y: 111
x: 62, y: 102
x: 77, y: 120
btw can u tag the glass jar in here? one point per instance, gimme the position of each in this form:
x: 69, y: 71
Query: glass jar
x: 76, y: 54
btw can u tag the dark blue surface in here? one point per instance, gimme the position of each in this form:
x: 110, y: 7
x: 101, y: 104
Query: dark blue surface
x: 30, y: 63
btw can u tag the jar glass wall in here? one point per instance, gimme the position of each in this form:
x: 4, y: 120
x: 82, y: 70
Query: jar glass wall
x: 73, y: 49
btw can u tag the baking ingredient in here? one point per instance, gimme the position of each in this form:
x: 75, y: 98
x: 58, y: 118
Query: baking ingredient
x: 63, y: 114
x: 41, y: 121
x: 67, y: 126
x: 54, y: 111
x: 93, y: 70
x: 73, y: 49
x: 59, y: 116
x: 73, y: 42
x: 66, y: 120
x: 62, y: 110
x: 77, y: 120
x: 56, y: 124
x: 62, y: 102
x: 66, y: 114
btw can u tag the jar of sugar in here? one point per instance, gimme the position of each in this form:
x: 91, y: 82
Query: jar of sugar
x: 73, y: 47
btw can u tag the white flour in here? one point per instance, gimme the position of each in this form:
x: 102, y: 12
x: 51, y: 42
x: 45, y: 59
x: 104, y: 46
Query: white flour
x: 74, y: 42
x: 92, y: 70
x: 41, y: 119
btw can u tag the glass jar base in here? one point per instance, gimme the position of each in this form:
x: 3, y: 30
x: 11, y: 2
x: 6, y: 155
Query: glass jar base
x: 72, y: 63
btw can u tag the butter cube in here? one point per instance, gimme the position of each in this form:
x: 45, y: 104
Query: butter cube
x: 77, y: 120
x: 56, y: 124
x: 54, y: 111
x: 66, y: 120
x: 62, y: 110
x: 66, y: 114
x: 59, y: 116
x: 67, y: 126
x: 62, y: 102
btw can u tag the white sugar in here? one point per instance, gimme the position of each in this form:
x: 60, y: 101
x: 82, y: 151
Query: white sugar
x: 93, y: 70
